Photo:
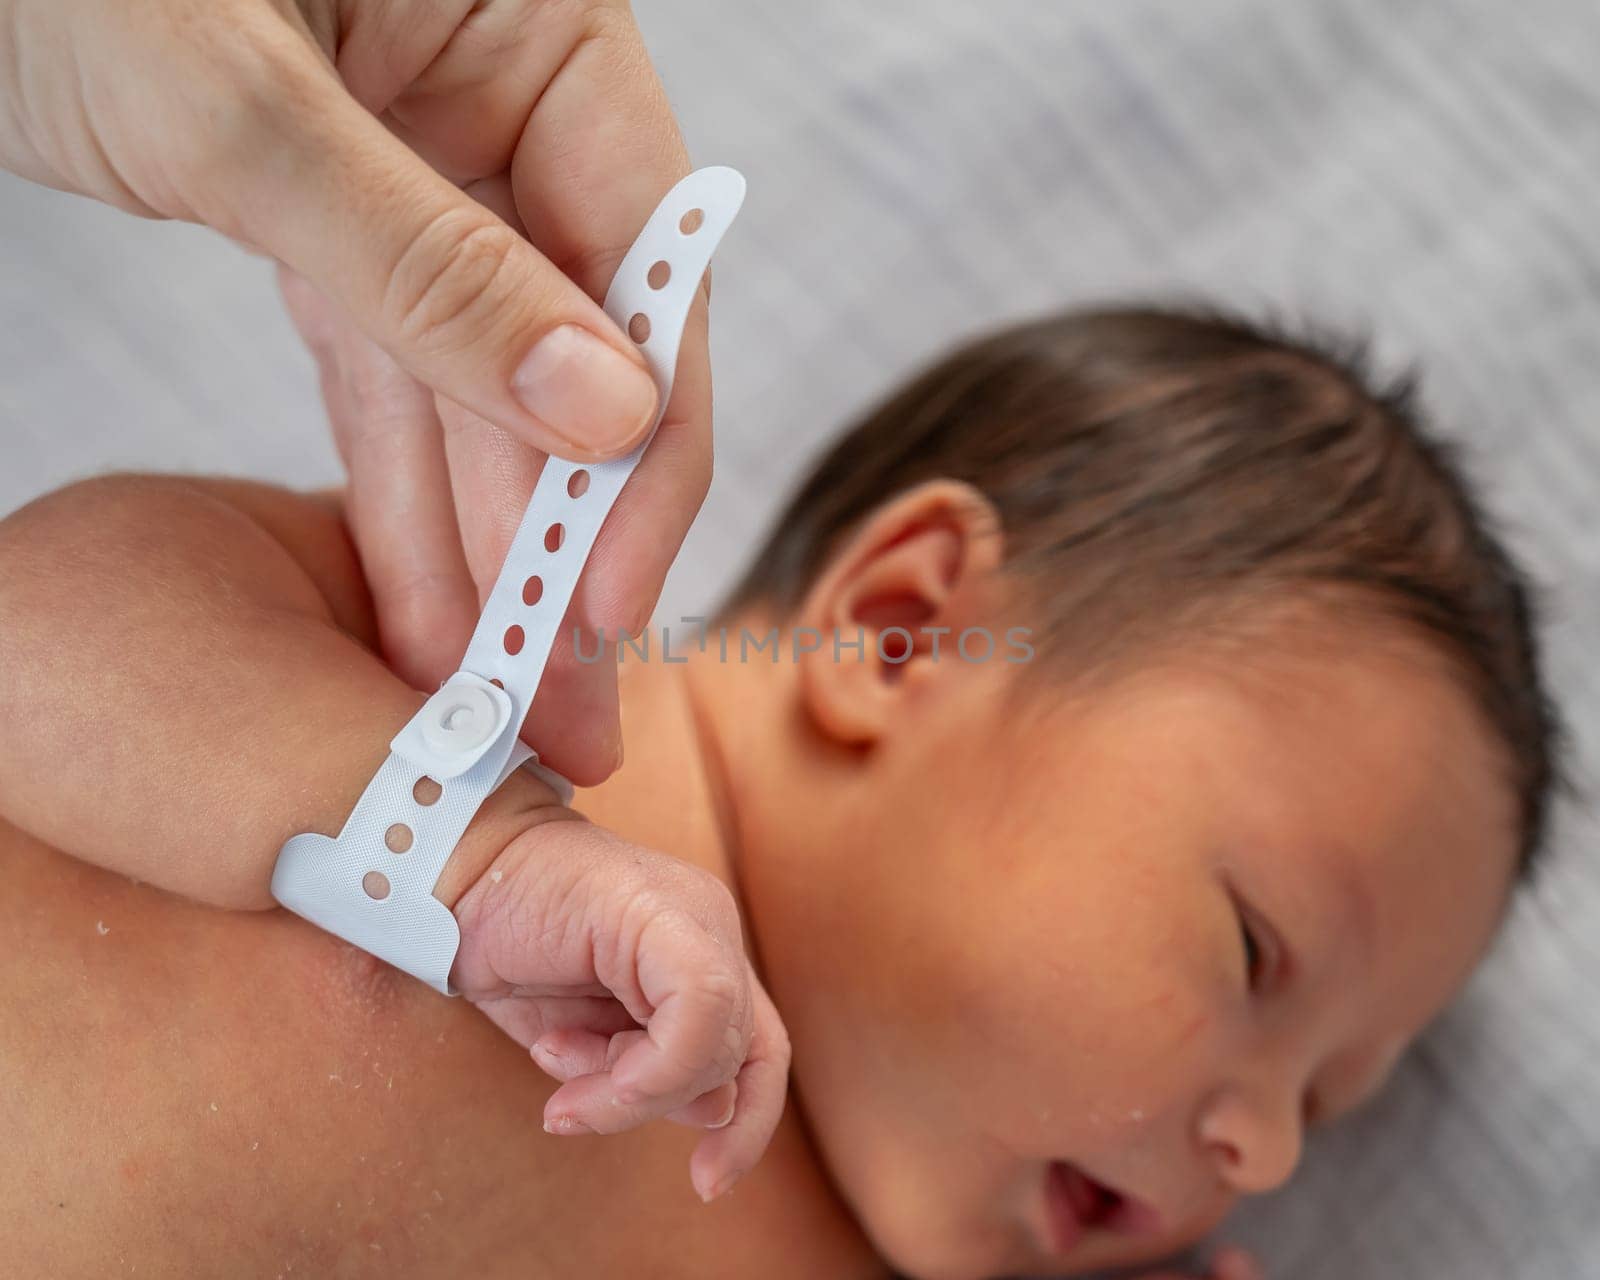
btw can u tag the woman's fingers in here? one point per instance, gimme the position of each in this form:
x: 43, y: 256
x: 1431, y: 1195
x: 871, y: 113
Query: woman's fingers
x: 399, y: 502
x: 492, y: 477
x: 590, y: 144
x: 457, y: 297
x: 574, y: 723
x: 596, y: 154
x: 265, y: 129
x: 641, y: 537
x: 579, y: 687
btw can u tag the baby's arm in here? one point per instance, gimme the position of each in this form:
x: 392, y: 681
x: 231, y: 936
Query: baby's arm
x: 185, y: 683
x: 182, y: 693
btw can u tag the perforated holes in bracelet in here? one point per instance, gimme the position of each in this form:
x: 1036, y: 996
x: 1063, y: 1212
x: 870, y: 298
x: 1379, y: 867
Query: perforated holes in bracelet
x: 359, y: 885
x: 660, y: 273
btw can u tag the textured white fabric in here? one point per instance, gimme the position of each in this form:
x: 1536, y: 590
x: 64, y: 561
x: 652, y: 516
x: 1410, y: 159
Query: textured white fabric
x: 922, y: 169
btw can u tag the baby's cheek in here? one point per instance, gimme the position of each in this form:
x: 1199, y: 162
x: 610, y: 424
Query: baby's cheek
x: 1108, y: 1062
x: 1145, y: 1057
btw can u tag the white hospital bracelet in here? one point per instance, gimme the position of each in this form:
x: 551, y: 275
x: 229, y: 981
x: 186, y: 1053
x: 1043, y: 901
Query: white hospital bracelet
x: 373, y: 884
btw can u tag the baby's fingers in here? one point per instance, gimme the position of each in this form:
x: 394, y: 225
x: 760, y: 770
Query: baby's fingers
x: 695, y: 1044
x: 712, y: 1110
x: 570, y: 1052
x: 528, y: 1020
x: 723, y: 1157
x: 691, y: 974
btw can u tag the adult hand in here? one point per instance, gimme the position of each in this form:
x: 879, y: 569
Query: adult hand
x: 449, y: 185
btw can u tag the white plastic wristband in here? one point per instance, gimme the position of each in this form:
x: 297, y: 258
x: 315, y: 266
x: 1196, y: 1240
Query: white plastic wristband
x: 373, y: 884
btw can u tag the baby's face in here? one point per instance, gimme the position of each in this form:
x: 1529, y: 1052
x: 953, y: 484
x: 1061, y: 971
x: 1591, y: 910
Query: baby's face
x: 1022, y: 943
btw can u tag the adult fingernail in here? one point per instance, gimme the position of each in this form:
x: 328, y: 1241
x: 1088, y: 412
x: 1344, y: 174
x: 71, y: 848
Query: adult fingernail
x: 585, y: 390
x: 565, y: 1126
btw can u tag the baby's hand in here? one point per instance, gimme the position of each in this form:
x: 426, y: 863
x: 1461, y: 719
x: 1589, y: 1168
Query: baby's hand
x: 623, y: 972
x: 1228, y: 1263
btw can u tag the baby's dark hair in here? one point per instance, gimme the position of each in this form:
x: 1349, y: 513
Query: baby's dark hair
x: 1158, y: 468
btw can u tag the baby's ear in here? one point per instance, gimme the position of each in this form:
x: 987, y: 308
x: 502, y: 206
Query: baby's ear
x: 889, y: 606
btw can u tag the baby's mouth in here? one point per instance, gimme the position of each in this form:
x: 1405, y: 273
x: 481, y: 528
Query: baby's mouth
x: 1076, y: 1203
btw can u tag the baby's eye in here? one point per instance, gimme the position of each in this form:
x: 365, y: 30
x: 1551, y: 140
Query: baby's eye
x: 1263, y: 949
x: 1253, y: 954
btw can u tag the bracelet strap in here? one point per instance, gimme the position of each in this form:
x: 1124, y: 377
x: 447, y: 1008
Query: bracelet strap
x: 373, y: 884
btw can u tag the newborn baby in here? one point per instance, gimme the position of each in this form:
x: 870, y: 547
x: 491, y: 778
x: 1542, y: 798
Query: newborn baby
x: 1127, y: 741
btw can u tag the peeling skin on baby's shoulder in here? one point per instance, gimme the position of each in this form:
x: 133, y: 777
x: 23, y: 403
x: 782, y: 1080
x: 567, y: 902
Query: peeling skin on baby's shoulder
x: 371, y: 1032
x: 354, y: 994
x: 355, y: 985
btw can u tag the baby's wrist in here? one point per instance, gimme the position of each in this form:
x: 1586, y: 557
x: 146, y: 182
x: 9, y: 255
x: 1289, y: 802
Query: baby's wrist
x: 522, y: 803
x: 534, y: 904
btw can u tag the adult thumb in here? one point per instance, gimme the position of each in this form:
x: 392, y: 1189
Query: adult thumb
x: 457, y: 296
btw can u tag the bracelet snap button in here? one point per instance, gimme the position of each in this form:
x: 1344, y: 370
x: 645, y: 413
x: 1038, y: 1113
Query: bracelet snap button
x: 458, y: 719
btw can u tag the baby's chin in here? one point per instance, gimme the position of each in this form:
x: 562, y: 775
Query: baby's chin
x: 1039, y: 1219
x: 988, y: 1213
x: 930, y: 1256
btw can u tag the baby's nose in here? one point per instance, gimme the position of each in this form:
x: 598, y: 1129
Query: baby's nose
x: 1254, y: 1140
